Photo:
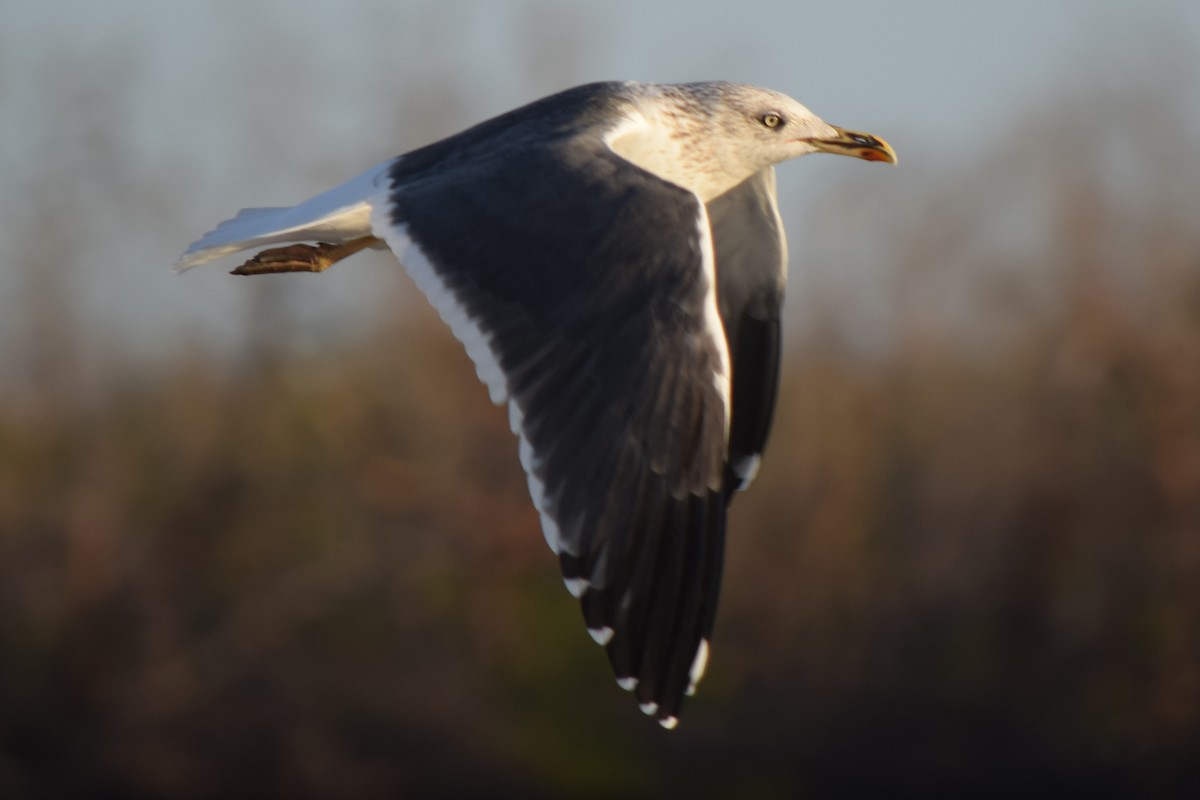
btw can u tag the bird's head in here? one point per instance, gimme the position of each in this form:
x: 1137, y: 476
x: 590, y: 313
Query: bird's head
x: 709, y: 137
x: 772, y: 127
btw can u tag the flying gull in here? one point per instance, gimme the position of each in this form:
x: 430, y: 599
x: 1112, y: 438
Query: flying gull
x: 613, y: 260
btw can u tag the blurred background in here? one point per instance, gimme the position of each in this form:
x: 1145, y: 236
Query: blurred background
x: 268, y: 537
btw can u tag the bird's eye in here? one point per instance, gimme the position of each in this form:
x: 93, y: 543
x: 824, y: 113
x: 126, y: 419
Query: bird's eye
x: 772, y: 120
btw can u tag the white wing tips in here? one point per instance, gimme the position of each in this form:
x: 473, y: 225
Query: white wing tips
x: 745, y: 469
x: 699, y: 664
x: 670, y: 722
x: 602, y: 636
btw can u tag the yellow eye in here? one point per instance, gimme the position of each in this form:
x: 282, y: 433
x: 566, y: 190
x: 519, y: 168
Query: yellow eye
x: 772, y: 120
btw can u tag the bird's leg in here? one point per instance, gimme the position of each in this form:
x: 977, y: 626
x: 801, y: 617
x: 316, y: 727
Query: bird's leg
x: 303, y: 257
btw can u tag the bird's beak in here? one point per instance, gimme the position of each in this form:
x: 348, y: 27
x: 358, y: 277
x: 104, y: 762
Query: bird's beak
x: 852, y: 143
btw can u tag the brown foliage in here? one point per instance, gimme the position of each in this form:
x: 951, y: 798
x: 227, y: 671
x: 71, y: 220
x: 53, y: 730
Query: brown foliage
x: 972, y: 558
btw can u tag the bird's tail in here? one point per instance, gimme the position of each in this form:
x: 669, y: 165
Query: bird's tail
x: 338, y: 215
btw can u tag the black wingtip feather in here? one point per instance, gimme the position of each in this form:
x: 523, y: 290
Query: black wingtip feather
x: 660, y: 618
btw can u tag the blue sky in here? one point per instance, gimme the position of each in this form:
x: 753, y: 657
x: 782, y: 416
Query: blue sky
x: 198, y: 109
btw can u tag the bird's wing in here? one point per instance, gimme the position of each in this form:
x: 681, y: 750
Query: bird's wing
x: 584, y: 290
x: 751, y: 254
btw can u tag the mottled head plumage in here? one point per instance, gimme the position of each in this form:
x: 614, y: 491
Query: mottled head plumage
x: 708, y: 137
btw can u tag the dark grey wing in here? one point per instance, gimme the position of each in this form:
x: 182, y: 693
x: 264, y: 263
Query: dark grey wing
x: 751, y: 254
x: 584, y: 291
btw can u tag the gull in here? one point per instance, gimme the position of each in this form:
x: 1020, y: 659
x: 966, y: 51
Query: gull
x: 613, y: 260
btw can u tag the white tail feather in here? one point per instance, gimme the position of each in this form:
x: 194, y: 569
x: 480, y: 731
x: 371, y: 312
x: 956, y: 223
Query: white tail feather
x: 338, y: 215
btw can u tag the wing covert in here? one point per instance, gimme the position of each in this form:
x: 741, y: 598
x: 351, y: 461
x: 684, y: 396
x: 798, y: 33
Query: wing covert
x: 587, y: 300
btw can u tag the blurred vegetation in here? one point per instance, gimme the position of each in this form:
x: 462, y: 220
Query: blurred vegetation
x: 971, y: 561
